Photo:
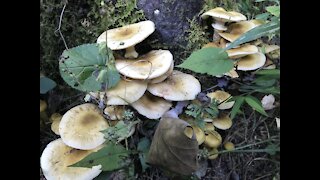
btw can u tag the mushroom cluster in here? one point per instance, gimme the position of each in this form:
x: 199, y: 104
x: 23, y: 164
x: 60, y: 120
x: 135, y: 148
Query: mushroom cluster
x: 229, y: 26
x: 79, y: 129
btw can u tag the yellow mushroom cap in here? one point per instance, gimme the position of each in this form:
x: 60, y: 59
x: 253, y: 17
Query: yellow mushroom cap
x: 209, y: 127
x: 43, y: 105
x: 270, y: 48
x: 150, y: 106
x: 222, y: 15
x: 80, y: 127
x: 213, y: 139
x: 251, y: 62
x: 242, y: 51
x: 127, y: 36
x: 56, y: 158
x: 178, y: 86
x: 212, y: 154
x: 199, y: 134
x: 114, y: 112
x: 229, y: 146
x: 126, y: 92
x: 149, y: 66
x: 55, y: 119
x: 221, y: 96
x: 223, y: 122
x: 237, y: 29
x: 164, y: 76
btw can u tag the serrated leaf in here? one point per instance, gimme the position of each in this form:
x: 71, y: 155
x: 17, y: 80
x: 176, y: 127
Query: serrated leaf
x: 236, y: 107
x: 255, y: 104
x: 111, y: 157
x: 255, y: 33
x: 274, y: 10
x: 213, y: 61
x: 46, y: 84
x: 143, y: 147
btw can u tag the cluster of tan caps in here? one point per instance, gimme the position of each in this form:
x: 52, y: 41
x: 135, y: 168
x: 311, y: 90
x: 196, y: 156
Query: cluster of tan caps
x: 230, y: 25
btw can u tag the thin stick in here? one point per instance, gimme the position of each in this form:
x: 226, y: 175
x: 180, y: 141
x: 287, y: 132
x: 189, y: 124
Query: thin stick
x: 60, y: 21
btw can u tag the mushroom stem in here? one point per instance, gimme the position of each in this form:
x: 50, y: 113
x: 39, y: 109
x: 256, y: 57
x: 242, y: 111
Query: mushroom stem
x: 218, y: 27
x: 131, y: 52
x: 174, y: 113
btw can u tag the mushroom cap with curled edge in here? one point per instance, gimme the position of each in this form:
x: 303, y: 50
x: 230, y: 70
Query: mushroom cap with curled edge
x: 148, y: 66
x: 43, y: 105
x: 237, y: 29
x: 126, y: 37
x: 221, y: 96
x: 150, y: 106
x: 228, y: 146
x: 213, y: 139
x: 114, y: 112
x: 213, y: 154
x: 164, y: 76
x: 223, y: 122
x: 56, y: 158
x: 242, y: 51
x: 126, y: 92
x: 220, y: 14
x: 55, y: 118
x: 178, y: 86
x: 200, y: 136
x: 251, y: 62
x: 80, y: 127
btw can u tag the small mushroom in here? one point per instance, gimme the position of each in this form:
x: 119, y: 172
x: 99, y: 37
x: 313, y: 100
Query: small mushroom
x: 56, y: 158
x: 80, y: 127
x: 209, y: 127
x: 251, y: 62
x: 164, y: 76
x: 237, y: 29
x: 268, y: 102
x: 150, y: 106
x: 221, y: 97
x: 213, y: 139
x: 200, y: 136
x: 178, y: 86
x: 229, y: 146
x: 127, y: 37
x: 242, y: 51
x: 221, y: 16
x: 114, y: 112
x: 149, y: 66
x: 55, y: 118
x: 126, y: 92
x: 43, y: 113
x: 43, y: 105
x: 213, y: 154
x: 223, y: 122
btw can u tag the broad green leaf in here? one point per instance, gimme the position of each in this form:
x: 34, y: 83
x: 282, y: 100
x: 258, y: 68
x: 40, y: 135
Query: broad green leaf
x: 271, y: 72
x: 46, y: 84
x: 113, y: 76
x: 255, y: 104
x: 255, y: 33
x: 111, y: 157
x: 213, y: 61
x: 264, y: 81
x: 274, y: 10
x: 263, y: 16
x: 236, y: 107
x: 80, y: 66
x: 143, y: 147
x: 269, y: 90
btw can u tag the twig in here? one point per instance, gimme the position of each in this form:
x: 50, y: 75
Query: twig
x: 59, y: 27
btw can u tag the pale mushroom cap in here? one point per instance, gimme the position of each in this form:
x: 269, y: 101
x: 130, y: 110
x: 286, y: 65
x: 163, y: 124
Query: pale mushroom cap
x: 178, y: 86
x: 43, y: 105
x: 114, y: 112
x: 229, y: 146
x: 270, y: 48
x: 223, y: 122
x: 150, y: 106
x: 164, y: 76
x: 56, y: 119
x: 251, y: 62
x: 126, y: 92
x: 221, y: 96
x: 213, y: 156
x: 80, y: 127
x: 268, y: 102
x: 149, y: 66
x: 56, y: 158
x: 219, y: 26
x: 221, y: 14
x: 213, y: 139
x: 127, y: 36
x: 232, y: 73
x: 242, y: 51
x: 55, y: 116
x: 237, y: 29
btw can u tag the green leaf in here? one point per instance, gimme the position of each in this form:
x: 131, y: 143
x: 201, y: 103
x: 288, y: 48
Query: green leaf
x: 274, y: 10
x: 263, y: 16
x: 143, y: 147
x: 272, y: 149
x: 79, y: 65
x: 270, y: 72
x: 111, y: 157
x: 46, y: 84
x: 264, y: 81
x: 255, y: 104
x: 213, y: 61
x: 236, y: 107
x: 255, y: 33
x: 269, y: 90
x: 113, y: 76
